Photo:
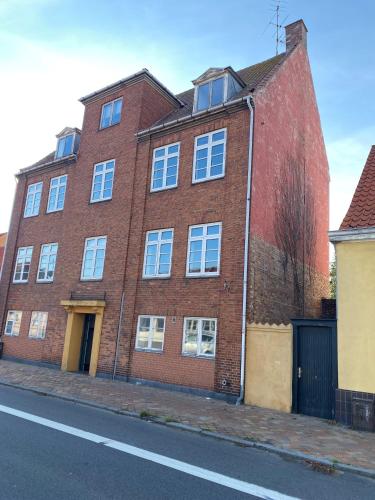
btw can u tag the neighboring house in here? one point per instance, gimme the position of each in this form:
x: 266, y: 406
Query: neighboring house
x: 355, y: 260
x: 3, y: 240
x: 128, y: 245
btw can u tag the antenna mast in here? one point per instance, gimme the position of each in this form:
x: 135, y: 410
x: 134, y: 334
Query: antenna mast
x: 277, y: 24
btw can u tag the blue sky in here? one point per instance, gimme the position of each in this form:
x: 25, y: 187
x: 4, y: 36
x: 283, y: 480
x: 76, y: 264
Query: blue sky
x: 54, y: 51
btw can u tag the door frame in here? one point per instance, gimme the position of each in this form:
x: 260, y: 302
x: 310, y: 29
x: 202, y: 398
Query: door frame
x: 324, y: 323
x: 73, y: 334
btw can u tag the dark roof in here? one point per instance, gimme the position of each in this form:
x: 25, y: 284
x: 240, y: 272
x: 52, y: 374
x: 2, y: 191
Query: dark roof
x: 253, y: 76
x: 361, y: 212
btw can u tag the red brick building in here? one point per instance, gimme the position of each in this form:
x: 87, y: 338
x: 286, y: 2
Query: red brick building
x: 127, y: 245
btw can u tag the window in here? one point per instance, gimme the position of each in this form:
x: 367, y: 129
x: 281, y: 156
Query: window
x: 204, y: 250
x: 34, y: 194
x: 102, y: 182
x: 57, y: 189
x: 38, y: 325
x: 47, y: 262
x: 111, y: 113
x: 209, y: 156
x: 150, y: 333
x: 165, y: 167
x: 23, y: 262
x: 93, y: 258
x: 65, y: 146
x: 158, y: 254
x: 13, y: 323
x: 210, y: 94
x: 199, y: 336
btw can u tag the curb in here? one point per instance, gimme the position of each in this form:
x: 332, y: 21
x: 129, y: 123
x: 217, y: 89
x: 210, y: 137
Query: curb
x: 282, y: 452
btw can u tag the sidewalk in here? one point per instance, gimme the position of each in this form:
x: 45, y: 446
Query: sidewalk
x: 297, y: 433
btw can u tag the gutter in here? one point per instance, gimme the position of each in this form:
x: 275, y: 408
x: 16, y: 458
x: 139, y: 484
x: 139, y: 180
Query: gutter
x: 192, y: 116
x: 355, y: 234
x: 250, y: 104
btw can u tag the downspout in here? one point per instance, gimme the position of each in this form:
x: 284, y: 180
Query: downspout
x: 250, y: 104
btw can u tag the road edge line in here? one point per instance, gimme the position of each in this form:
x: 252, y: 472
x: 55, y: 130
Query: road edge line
x: 294, y: 455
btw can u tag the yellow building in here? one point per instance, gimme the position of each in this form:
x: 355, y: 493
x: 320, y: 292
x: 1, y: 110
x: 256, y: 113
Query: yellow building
x: 355, y: 257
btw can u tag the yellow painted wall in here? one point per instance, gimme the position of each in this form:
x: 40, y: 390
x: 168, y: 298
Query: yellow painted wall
x: 269, y: 365
x: 356, y: 315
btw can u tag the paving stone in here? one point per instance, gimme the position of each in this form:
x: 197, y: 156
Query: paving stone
x: 310, y: 435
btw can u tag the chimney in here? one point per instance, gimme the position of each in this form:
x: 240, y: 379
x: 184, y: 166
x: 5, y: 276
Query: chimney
x: 294, y: 34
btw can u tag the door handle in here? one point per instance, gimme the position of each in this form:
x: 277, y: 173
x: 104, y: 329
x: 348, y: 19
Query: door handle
x: 299, y: 372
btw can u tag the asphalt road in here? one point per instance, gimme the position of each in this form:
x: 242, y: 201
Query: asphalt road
x: 50, y: 448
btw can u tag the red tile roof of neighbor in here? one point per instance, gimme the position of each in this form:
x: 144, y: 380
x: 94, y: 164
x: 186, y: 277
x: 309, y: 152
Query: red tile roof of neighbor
x: 361, y: 212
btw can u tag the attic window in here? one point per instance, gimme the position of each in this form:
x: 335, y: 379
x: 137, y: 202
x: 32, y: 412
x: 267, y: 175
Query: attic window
x: 65, y: 146
x: 210, y: 94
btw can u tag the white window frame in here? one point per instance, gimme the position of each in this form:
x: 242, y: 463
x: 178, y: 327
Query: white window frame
x: 112, y: 106
x: 204, y: 238
x: 159, y: 242
x: 209, y: 154
x: 15, y: 323
x: 32, y: 195
x: 199, y: 340
x: 73, y: 134
x: 23, y: 265
x: 209, y: 81
x: 50, y: 254
x: 41, y: 333
x: 105, y: 169
x: 165, y: 158
x: 59, y: 186
x: 94, y: 278
x: 150, y: 337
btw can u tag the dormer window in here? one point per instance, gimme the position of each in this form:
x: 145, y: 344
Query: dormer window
x: 67, y: 142
x: 215, y: 87
x: 210, y: 94
x: 65, y: 146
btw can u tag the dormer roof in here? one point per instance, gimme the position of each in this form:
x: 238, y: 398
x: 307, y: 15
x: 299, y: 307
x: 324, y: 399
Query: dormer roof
x: 216, y: 73
x: 67, y: 131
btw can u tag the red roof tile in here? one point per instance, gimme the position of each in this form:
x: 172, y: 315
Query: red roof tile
x: 361, y: 212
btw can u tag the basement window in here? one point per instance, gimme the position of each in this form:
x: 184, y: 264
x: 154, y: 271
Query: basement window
x: 13, y: 323
x: 38, y: 325
x: 150, y: 333
x: 199, y: 337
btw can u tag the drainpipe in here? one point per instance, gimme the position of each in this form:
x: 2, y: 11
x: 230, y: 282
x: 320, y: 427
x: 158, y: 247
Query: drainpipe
x: 250, y: 104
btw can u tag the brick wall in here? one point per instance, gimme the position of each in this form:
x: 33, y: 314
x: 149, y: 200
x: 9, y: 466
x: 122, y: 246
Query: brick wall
x: 280, y: 125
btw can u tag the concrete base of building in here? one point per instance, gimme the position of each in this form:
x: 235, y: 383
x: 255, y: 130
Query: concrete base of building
x: 229, y: 398
x: 43, y: 364
x: 344, y: 404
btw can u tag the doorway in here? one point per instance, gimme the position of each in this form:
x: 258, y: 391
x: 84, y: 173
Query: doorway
x: 315, y: 367
x: 86, y: 343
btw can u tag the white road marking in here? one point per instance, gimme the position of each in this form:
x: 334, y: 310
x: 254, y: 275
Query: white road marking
x: 208, y: 475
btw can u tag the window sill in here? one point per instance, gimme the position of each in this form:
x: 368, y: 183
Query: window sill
x: 54, y: 211
x: 100, y: 129
x: 44, y: 282
x: 207, y: 179
x: 202, y: 275
x: 35, y: 338
x: 11, y: 334
x: 30, y: 216
x: 20, y: 282
x: 93, y: 202
x: 85, y: 280
x: 197, y: 356
x: 148, y: 278
x: 158, y: 190
x: 153, y: 351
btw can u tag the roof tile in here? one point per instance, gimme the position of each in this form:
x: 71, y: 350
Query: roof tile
x: 361, y: 212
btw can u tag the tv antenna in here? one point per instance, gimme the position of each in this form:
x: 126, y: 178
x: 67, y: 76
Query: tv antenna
x: 277, y: 8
